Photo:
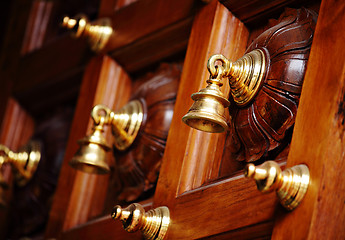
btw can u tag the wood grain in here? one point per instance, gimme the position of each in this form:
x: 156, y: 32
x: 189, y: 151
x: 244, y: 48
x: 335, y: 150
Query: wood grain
x: 220, y: 207
x: 17, y: 15
x: 36, y: 25
x: 16, y: 129
x: 318, y: 135
x: 252, y: 12
x: 140, y: 24
x: 195, y: 151
x: 80, y: 196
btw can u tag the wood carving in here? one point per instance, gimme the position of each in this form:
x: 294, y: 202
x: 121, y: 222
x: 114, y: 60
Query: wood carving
x: 31, y: 203
x: 261, y: 126
x: 138, y: 167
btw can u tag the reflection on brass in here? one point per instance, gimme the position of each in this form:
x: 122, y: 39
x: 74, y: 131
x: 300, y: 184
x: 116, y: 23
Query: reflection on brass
x: 97, y: 33
x: 91, y: 156
x: 291, y: 184
x: 245, y: 78
x: 153, y: 224
x: 125, y: 124
x: 24, y: 162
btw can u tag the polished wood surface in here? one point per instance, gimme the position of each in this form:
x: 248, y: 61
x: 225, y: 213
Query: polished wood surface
x: 194, y: 152
x: 16, y: 129
x: 36, y: 26
x: 104, y: 82
x: 202, y: 205
x: 138, y: 167
x: 262, y: 126
x: 252, y: 12
x: 188, y: 165
x: 11, y: 40
x: 318, y: 135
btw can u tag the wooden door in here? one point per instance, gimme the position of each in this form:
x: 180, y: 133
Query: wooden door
x: 201, y: 204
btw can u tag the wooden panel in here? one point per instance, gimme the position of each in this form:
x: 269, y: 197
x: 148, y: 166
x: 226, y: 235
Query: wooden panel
x: 196, y: 150
x: 220, y: 207
x: 16, y: 129
x: 167, y: 42
x: 156, y: 30
x: 79, y: 196
x: 146, y: 17
x: 58, y: 58
x: 10, y: 48
x: 251, y: 12
x: 36, y: 25
x: 258, y: 231
x: 319, y: 133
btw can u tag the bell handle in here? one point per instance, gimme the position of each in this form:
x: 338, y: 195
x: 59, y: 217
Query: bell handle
x: 5, y: 150
x: 213, y: 68
x: 98, y: 118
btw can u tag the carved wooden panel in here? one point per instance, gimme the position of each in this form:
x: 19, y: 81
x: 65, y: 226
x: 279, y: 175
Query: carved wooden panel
x: 261, y: 129
x: 137, y: 168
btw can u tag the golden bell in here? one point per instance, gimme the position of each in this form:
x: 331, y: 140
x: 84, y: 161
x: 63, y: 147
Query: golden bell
x: 91, y: 156
x: 208, y: 110
x: 125, y: 124
x: 245, y: 79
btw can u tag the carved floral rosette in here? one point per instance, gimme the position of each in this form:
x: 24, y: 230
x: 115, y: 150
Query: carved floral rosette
x: 261, y: 126
x: 138, y: 167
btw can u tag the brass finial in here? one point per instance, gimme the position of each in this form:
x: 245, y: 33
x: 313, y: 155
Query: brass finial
x: 245, y: 78
x: 153, y: 224
x: 97, y: 33
x: 24, y: 162
x: 291, y: 184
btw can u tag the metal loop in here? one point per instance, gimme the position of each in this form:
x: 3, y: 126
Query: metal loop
x: 97, y: 117
x: 213, y: 68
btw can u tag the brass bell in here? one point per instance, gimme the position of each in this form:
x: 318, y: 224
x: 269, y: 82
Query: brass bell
x: 91, y: 156
x: 125, y: 124
x: 208, y: 110
x: 245, y: 78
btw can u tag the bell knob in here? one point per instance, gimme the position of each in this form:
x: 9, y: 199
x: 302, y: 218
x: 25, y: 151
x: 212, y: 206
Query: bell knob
x: 91, y: 156
x: 208, y: 110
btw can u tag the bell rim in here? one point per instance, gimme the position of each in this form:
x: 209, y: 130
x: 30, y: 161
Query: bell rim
x: 85, y: 166
x: 205, y: 116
